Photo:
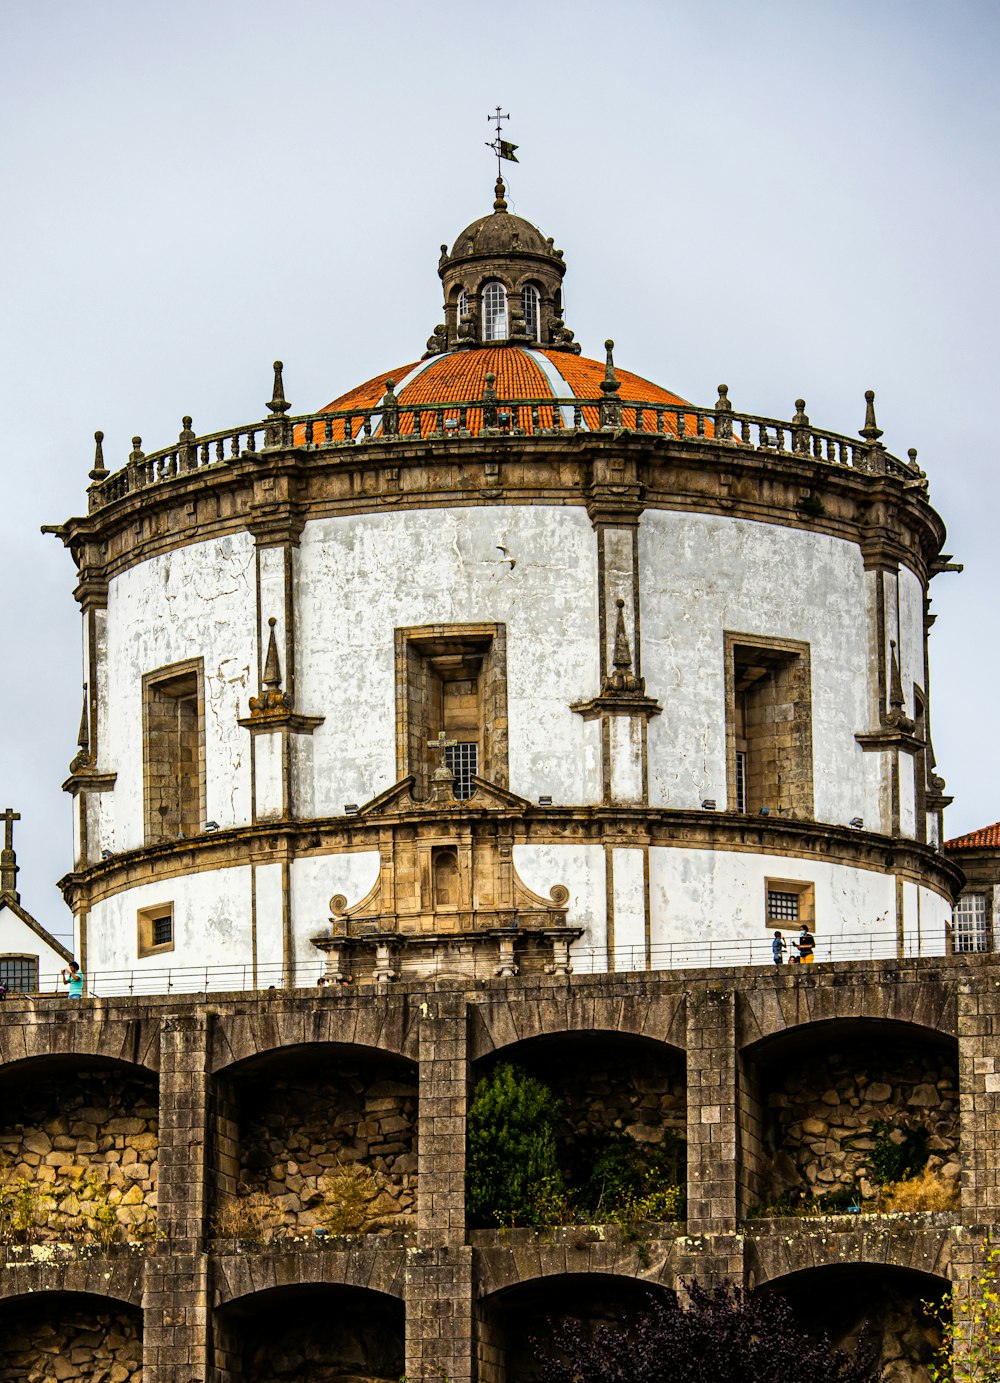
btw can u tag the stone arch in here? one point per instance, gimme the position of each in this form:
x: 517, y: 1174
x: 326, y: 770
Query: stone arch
x: 315, y: 1137
x: 243, y: 1278
x: 921, y: 999
x: 58, y: 1027
x: 101, y: 1335
x: 836, y: 1299
x: 497, y: 1023
x: 815, y: 1101
x: 282, y: 1334
x: 508, y: 1321
x: 372, y: 1022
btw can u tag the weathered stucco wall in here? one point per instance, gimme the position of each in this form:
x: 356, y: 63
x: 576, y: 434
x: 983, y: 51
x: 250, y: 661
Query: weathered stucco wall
x: 197, y: 602
x: 361, y: 578
x: 701, y: 575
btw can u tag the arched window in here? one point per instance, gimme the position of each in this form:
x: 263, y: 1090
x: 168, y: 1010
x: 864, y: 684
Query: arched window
x: 494, y: 312
x: 462, y: 307
x: 531, y: 310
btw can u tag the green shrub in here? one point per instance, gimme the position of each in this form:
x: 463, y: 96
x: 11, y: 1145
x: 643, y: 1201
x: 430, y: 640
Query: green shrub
x: 615, y: 1180
x: 897, y: 1161
x: 512, y: 1172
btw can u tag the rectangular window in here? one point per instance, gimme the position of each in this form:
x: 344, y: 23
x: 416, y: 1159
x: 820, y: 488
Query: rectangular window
x: 20, y: 973
x: 451, y: 685
x: 768, y: 725
x: 155, y: 929
x: 173, y: 734
x: 971, y: 932
x: 789, y: 902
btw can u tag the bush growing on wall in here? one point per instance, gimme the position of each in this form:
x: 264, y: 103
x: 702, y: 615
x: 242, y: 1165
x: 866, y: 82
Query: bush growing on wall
x: 512, y: 1172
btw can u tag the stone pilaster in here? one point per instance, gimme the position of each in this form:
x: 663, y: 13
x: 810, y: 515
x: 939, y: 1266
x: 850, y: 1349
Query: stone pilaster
x: 979, y: 1084
x: 175, y: 1299
x: 439, y: 1272
x: 711, y: 1111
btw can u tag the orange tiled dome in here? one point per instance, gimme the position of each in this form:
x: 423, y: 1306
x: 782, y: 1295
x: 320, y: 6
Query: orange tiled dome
x: 521, y: 372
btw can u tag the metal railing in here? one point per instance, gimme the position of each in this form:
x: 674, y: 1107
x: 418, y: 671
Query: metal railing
x: 391, y: 421
x: 677, y: 955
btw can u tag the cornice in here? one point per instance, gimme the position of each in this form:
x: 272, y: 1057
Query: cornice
x: 615, y: 475
x: 661, y: 827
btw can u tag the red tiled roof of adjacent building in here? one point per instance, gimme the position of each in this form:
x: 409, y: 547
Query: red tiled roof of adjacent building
x: 983, y: 839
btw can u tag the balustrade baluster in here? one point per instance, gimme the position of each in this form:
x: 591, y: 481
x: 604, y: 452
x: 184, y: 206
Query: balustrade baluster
x: 779, y: 439
x: 367, y: 425
x: 251, y: 440
x: 348, y: 428
x: 577, y: 416
x: 557, y: 418
x: 310, y: 432
x: 659, y: 419
x: 439, y: 413
x: 328, y: 432
x: 681, y: 423
x: 818, y: 447
x: 700, y: 424
x: 638, y: 418
x: 463, y: 418
x: 744, y: 431
x: 534, y: 417
x: 203, y: 459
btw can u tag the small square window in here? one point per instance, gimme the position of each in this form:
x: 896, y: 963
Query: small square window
x: 789, y: 903
x: 20, y: 973
x: 155, y: 929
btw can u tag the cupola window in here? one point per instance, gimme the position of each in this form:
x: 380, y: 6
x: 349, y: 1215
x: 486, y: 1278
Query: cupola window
x: 530, y: 309
x: 462, y: 310
x: 494, y: 312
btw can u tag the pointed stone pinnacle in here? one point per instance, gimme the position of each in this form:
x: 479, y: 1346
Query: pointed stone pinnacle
x: 100, y: 470
x: 871, y: 431
x: 272, y: 667
x: 278, y: 403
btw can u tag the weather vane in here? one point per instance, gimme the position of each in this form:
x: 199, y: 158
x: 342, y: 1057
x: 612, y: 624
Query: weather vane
x: 501, y: 147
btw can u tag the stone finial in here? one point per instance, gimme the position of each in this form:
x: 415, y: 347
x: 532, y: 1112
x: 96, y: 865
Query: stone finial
x: 100, y: 470
x: 136, y: 454
x: 723, y: 415
x: 8, y: 860
x: 500, y: 204
x: 623, y: 679
x: 437, y: 342
x: 611, y: 409
x: 272, y: 665
x: 390, y: 410
x: 489, y: 400
x: 277, y: 403
x: 81, y: 759
x: 800, y: 427
x: 897, y: 717
x: 871, y: 431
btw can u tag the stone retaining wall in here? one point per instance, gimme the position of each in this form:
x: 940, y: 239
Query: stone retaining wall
x: 48, y: 1343
x: 823, y: 1109
x: 307, y: 1130
x: 79, y: 1156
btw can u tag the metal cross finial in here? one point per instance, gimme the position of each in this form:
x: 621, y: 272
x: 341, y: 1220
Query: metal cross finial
x: 501, y: 147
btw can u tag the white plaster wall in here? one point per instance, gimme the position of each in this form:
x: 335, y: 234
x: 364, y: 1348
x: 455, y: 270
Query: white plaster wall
x: 911, y: 635
x: 625, y: 738
x: 629, y: 893
x: 926, y: 920
x: 699, y: 897
x: 703, y: 574
x: 907, y: 797
x: 315, y: 880
x: 212, y: 928
x: 581, y: 869
x: 196, y: 602
x: 360, y: 578
x: 18, y: 939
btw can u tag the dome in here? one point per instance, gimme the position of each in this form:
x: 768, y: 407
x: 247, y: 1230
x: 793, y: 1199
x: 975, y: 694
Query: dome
x: 520, y: 373
x: 501, y: 233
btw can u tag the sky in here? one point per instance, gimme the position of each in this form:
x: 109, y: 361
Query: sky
x: 799, y: 199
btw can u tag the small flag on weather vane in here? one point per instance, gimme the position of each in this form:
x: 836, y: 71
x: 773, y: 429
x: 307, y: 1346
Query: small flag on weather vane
x: 503, y: 148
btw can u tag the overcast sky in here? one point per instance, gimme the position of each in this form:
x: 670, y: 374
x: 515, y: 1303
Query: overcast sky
x: 795, y: 198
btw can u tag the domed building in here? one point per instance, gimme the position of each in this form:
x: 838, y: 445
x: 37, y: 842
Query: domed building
x: 506, y: 660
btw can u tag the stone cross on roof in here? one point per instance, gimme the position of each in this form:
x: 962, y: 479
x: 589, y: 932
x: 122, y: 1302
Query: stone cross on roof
x: 442, y: 779
x: 8, y: 860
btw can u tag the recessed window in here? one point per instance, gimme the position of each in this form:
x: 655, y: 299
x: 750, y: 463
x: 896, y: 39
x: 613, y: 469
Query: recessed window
x: 768, y: 726
x: 494, y: 312
x: 531, y: 310
x: 156, y: 929
x: 789, y: 903
x: 970, y: 925
x: 462, y: 308
x: 451, y: 697
x: 173, y: 726
x: 20, y: 973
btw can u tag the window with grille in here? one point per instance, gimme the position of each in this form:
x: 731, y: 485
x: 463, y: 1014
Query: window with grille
x: 156, y: 929
x: 494, y: 312
x: 969, y: 919
x: 782, y: 907
x: 741, y: 781
x: 463, y: 760
x: 530, y: 304
x: 462, y: 308
x: 19, y: 972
